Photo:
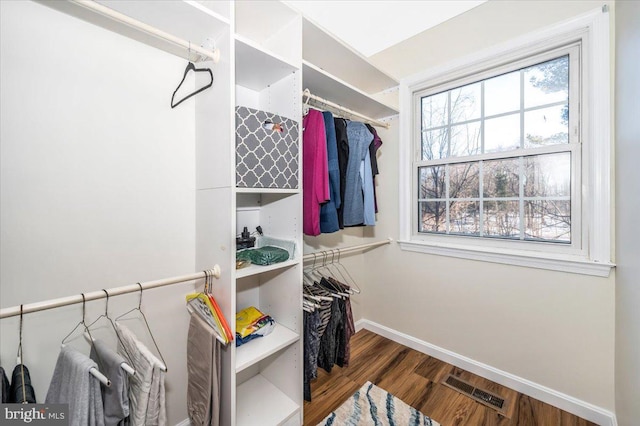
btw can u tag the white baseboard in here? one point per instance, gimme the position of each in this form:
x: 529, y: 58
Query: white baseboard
x: 542, y: 393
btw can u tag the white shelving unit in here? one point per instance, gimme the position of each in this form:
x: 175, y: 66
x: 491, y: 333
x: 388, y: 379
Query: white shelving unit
x: 336, y: 58
x: 248, y: 354
x: 261, y: 67
x: 330, y: 87
x: 262, y: 403
x: 334, y: 71
x: 268, y: 370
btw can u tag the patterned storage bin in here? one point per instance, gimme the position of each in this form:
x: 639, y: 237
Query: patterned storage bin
x: 265, y: 158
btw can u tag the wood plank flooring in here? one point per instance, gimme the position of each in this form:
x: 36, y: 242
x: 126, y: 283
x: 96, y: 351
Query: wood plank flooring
x: 415, y: 378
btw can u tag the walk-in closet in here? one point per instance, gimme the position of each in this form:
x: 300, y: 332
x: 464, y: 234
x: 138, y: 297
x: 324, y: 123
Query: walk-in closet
x: 230, y: 212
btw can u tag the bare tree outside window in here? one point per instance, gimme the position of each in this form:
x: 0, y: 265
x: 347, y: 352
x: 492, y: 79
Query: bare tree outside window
x: 463, y: 191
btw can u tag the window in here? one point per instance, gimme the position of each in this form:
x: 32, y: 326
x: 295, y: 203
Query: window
x: 495, y: 156
x: 507, y: 152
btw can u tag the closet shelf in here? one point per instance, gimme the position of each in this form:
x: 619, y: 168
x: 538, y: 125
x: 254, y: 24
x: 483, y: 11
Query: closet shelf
x: 257, y: 67
x: 258, y: 349
x: 321, y: 48
x: 327, y: 86
x: 267, y: 191
x: 258, y: 269
x: 259, y: 402
x: 188, y: 20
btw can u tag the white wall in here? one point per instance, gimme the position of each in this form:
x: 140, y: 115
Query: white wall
x: 552, y: 328
x: 97, y: 184
x: 628, y: 204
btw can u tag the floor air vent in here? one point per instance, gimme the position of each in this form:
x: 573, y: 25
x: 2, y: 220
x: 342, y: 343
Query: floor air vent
x: 487, y: 398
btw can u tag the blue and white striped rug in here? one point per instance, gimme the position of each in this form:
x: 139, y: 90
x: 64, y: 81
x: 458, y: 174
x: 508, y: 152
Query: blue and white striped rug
x: 371, y: 405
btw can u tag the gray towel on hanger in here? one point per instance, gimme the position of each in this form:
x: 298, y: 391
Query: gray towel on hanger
x: 73, y: 384
x: 115, y: 398
x: 147, y: 405
x: 203, y: 368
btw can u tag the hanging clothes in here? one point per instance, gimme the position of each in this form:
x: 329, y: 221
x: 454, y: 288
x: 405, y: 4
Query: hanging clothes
x: 203, y: 369
x: 147, y: 405
x: 327, y: 330
x: 359, y: 139
x: 4, y: 387
x: 311, y: 323
x: 115, y: 398
x: 373, y: 152
x: 344, y: 350
x: 73, y: 384
x: 329, y: 210
x: 369, y: 208
x: 21, y: 390
x: 343, y: 160
x: 315, y: 174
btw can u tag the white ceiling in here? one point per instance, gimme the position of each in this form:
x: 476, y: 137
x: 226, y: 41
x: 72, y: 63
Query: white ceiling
x: 372, y: 26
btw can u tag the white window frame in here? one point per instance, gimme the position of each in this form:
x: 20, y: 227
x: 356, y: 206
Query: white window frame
x: 591, y: 252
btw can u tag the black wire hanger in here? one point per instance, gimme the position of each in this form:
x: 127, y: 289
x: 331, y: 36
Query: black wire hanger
x: 191, y: 67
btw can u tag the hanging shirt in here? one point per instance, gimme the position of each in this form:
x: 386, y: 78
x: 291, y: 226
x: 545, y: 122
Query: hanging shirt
x: 315, y: 175
x: 328, y: 211
x: 359, y: 139
x: 343, y: 160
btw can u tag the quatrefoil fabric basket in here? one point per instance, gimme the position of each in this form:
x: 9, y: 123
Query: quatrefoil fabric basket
x: 265, y: 158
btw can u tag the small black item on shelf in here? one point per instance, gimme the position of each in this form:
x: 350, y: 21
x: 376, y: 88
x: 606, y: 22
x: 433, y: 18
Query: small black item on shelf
x: 245, y: 240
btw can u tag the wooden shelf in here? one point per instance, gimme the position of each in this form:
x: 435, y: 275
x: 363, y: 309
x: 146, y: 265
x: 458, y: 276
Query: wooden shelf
x: 260, y: 348
x: 257, y: 67
x: 259, y: 269
x: 321, y: 48
x: 329, y: 87
x: 259, y: 402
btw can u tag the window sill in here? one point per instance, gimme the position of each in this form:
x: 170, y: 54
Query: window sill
x: 510, y: 257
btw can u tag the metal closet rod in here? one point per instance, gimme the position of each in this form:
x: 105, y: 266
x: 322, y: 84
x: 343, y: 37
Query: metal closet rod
x: 351, y: 112
x: 351, y: 249
x: 95, y: 295
x: 127, y: 20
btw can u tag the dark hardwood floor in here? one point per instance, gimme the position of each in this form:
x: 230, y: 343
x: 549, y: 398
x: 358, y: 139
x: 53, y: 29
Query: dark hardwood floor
x: 415, y: 378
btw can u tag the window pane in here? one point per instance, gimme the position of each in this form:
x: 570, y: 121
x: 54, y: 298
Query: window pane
x: 464, y: 217
x: 501, y: 178
x: 547, y: 175
x: 432, y: 182
x: 547, y: 82
x: 435, y: 110
x: 434, y: 144
x: 546, y: 126
x: 465, y: 103
x: 548, y: 220
x: 502, y: 219
x: 465, y: 139
x: 432, y: 216
x: 502, y: 94
x: 502, y: 134
x: 464, y: 180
